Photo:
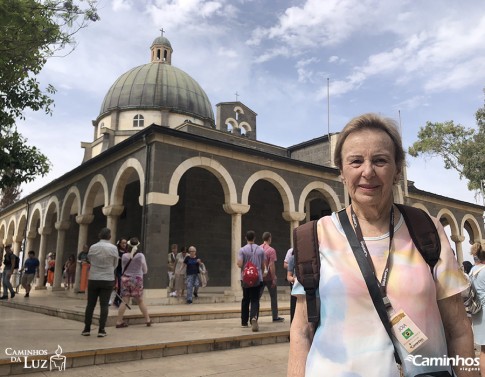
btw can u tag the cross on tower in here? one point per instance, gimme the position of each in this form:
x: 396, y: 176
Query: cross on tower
x: 237, y: 95
x: 162, y: 31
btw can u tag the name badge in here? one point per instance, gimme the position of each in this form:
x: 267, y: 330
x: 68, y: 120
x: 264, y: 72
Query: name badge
x: 406, y: 332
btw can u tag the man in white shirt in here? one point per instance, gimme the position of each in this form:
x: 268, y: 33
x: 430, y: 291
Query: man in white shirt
x: 103, y: 256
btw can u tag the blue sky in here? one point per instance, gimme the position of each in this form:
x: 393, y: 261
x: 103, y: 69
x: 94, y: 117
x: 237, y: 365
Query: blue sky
x: 423, y: 59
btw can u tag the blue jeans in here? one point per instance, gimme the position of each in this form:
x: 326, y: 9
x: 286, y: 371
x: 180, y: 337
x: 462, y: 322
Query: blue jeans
x: 192, y: 282
x: 7, y: 286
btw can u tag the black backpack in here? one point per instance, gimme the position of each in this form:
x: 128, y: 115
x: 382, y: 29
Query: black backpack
x: 17, y: 262
x: 307, y: 256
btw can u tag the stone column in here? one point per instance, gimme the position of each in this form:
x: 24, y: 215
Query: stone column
x: 458, y: 240
x: 44, y: 232
x: 294, y: 219
x: 61, y: 227
x: 112, y: 213
x: 83, y: 221
x: 236, y: 211
x: 157, y: 233
x: 17, y: 244
x: 30, y: 240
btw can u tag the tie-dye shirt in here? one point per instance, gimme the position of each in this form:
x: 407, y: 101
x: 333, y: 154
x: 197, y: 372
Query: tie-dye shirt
x: 351, y: 340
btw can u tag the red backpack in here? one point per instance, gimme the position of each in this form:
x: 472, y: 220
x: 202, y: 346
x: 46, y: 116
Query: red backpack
x: 250, y: 275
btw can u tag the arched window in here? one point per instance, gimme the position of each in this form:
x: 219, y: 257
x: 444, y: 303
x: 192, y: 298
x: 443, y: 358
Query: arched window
x: 138, y: 121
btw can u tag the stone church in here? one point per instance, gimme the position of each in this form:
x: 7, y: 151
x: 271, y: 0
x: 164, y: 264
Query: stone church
x: 162, y: 167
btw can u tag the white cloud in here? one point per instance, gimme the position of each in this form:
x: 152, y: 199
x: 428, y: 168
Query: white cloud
x: 336, y: 59
x: 379, y: 56
x: 121, y: 5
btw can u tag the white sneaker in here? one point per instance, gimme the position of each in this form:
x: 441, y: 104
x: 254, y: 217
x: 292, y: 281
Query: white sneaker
x: 173, y: 294
x: 254, y: 325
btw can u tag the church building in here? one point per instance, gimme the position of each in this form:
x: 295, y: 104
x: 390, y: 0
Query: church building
x: 164, y: 167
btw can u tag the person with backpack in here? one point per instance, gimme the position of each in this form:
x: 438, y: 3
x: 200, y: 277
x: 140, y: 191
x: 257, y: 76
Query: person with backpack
x: 269, y: 279
x: 383, y: 310
x: 477, y: 277
x: 11, y: 263
x: 251, y: 261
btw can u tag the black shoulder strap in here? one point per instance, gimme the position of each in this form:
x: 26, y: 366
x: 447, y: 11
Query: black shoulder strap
x: 369, y: 276
x: 423, y: 232
x: 307, y: 265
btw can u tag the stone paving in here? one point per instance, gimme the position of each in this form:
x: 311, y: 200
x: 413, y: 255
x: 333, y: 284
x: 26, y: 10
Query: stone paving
x: 180, y: 331
x: 262, y: 361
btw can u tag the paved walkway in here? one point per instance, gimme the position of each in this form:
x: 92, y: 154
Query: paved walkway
x: 264, y: 361
x: 182, y: 335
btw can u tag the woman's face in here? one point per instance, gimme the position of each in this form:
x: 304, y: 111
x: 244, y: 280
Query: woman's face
x: 368, y: 167
x: 123, y: 243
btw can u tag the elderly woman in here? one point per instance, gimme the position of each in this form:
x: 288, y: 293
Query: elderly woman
x: 478, y: 278
x: 351, y: 339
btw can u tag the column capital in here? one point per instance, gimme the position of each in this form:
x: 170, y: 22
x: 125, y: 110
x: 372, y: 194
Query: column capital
x: 457, y: 238
x: 161, y: 198
x: 44, y: 230
x: 113, y: 210
x: 233, y: 208
x: 84, y: 219
x: 294, y: 216
x: 62, y: 225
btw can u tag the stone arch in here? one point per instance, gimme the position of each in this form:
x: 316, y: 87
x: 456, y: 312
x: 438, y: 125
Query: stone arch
x: 450, y: 218
x: 238, y: 109
x: 22, y: 224
x: 120, y: 181
x: 421, y: 206
x: 246, y: 126
x: 280, y: 184
x: 216, y: 168
x: 232, y: 122
x: 324, y: 189
x: 36, y: 215
x: 3, y: 231
x: 12, y: 225
x: 473, y: 226
x: 72, y: 196
x: 52, y: 207
x: 91, y: 192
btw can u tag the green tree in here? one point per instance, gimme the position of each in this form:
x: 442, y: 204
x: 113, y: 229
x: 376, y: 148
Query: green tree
x: 19, y: 162
x: 461, y: 148
x: 9, y: 196
x: 31, y: 31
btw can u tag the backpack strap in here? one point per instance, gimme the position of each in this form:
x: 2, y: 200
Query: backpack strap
x: 307, y: 265
x: 423, y: 233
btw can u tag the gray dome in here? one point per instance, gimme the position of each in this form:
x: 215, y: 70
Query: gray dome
x: 161, y: 41
x: 158, y: 86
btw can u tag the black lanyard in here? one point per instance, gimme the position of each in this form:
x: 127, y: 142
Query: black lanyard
x: 385, y: 274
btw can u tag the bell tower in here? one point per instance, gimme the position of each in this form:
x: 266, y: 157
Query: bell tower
x: 161, y: 50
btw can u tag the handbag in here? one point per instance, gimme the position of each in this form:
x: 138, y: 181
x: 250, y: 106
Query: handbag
x: 472, y: 302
